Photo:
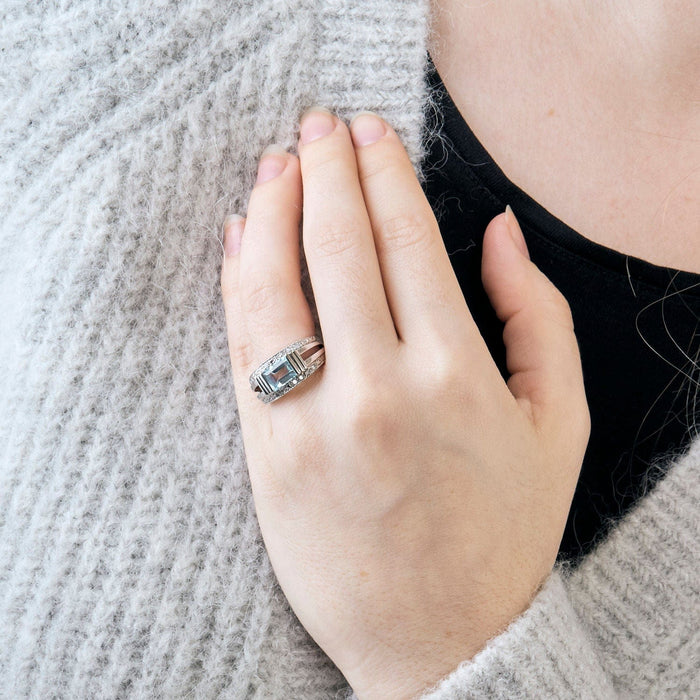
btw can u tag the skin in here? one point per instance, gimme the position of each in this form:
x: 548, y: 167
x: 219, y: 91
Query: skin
x: 412, y: 509
x: 410, y: 500
x: 592, y: 108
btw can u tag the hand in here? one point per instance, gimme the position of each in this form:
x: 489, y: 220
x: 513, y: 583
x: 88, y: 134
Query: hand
x: 411, y: 501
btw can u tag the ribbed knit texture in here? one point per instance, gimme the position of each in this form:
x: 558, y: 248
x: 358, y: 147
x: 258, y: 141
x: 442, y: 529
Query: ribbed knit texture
x: 131, y: 562
x: 625, y: 623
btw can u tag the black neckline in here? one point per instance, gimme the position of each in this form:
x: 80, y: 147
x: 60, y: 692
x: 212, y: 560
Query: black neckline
x: 532, y: 215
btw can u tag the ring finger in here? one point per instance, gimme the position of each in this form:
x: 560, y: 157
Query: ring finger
x: 271, y: 297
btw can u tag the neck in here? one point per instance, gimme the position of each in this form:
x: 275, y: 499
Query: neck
x: 646, y: 50
x: 650, y: 46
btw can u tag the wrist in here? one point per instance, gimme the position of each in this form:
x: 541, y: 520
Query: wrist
x: 407, y: 669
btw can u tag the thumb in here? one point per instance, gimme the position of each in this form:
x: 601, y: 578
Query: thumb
x: 542, y: 352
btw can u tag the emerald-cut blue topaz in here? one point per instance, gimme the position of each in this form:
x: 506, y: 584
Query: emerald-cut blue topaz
x: 280, y: 374
x: 287, y: 368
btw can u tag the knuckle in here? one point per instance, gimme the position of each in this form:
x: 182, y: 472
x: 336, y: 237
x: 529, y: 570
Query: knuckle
x: 242, y: 353
x: 320, y: 159
x: 368, y: 410
x: 405, y: 231
x: 448, y: 375
x: 338, y: 239
x: 259, y: 293
x: 447, y: 370
x: 377, y: 167
x: 228, y: 282
x: 557, y: 308
x: 373, y: 426
x: 306, y: 446
x: 561, y: 302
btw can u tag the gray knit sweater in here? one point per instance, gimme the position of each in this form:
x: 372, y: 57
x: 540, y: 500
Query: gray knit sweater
x: 131, y: 563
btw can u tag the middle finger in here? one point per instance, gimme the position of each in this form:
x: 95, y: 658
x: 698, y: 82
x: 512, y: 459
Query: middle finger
x: 338, y: 242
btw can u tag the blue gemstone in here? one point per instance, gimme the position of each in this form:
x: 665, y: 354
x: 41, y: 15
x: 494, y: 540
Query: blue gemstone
x: 279, y: 375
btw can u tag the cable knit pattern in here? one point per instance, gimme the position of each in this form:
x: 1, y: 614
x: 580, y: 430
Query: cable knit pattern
x: 131, y: 562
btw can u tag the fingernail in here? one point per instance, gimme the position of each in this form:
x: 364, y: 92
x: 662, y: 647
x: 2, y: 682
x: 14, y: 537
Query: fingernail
x: 516, y: 232
x: 316, y: 122
x: 233, y: 231
x: 366, y: 128
x: 273, y: 161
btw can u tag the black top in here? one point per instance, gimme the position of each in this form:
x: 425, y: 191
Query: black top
x: 636, y: 324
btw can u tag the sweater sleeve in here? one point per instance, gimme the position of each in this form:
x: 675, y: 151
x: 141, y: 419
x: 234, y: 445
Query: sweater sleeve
x: 625, y: 623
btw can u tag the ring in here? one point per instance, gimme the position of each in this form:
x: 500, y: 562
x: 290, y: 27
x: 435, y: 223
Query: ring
x: 287, y: 368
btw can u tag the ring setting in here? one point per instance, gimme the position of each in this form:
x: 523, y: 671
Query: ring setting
x: 287, y: 368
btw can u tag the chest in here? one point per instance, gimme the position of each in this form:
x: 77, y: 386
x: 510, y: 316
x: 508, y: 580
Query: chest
x: 618, y: 176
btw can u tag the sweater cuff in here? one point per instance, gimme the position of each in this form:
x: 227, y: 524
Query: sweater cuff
x: 544, y: 652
